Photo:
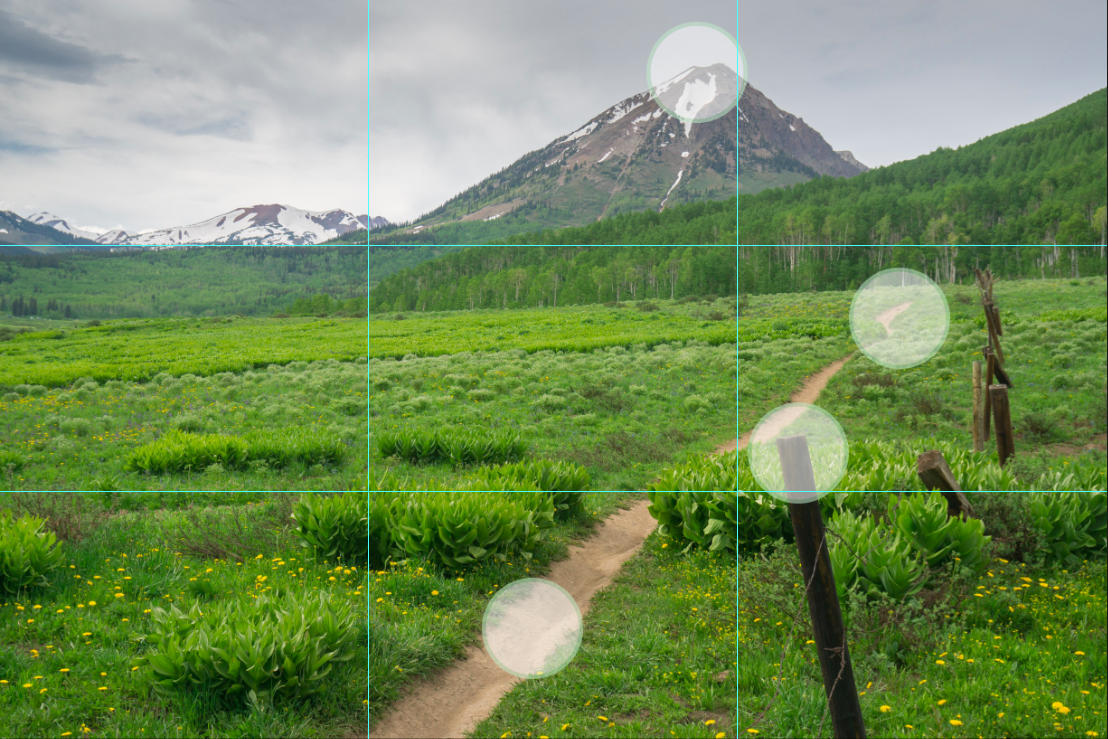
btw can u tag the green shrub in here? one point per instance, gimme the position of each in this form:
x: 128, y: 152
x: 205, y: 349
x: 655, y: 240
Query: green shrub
x: 420, y: 446
x: 27, y: 553
x: 568, y: 481
x: 865, y: 556
x: 466, y: 527
x: 10, y: 459
x: 75, y: 426
x: 337, y: 526
x: 262, y: 651
x: 1071, y: 524
x: 178, y: 452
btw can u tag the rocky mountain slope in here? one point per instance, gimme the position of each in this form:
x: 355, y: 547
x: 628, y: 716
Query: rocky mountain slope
x: 636, y: 156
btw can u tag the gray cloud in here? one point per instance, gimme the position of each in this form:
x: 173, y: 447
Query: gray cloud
x: 29, y: 50
x: 460, y: 90
x: 219, y: 104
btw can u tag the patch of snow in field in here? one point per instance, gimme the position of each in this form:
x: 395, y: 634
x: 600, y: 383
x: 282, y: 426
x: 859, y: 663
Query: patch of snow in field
x: 493, y: 218
x: 606, y: 155
x: 684, y: 155
x: 792, y: 127
x: 673, y: 135
x: 3, y: 230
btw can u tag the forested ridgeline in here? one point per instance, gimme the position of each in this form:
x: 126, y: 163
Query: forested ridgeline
x: 189, y: 281
x: 1041, y: 181
x: 516, y: 276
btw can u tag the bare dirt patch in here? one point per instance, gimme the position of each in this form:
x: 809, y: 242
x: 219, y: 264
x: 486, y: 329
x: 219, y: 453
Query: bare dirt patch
x: 497, y: 209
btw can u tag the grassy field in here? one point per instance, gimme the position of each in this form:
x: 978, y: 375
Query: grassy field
x: 622, y: 392
x: 68, y: 648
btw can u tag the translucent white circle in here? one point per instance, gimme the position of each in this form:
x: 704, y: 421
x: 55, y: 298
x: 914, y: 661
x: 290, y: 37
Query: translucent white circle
x: 899, y: 318
x: 798, y: 453
x: 696, y: 72
x: 532, y: 628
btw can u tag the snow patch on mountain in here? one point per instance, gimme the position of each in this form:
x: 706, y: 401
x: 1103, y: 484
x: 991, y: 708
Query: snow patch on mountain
x: 49, y: 219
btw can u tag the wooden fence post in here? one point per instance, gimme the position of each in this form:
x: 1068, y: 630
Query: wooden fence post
x: 990, y: 365
x: 935, y: 474
x: 823, y: 599
x: 978, y: 410
x: 1002, y: 416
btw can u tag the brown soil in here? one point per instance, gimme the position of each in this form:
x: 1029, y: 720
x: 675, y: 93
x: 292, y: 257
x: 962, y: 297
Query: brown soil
x: 458, y: 697
x: 808, y: 393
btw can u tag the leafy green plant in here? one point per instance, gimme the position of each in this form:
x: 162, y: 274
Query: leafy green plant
x: 263, y: 650
x: 338, y: 526
x: 27, y: 553
x: 1070, y: 524
x: 872, y: 558
x: 568, y: 481
x: 177, y: 451
x: 466, y: 527
x: 420, y: 446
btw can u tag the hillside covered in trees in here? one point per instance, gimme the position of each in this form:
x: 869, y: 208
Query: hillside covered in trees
x: 518, y: 276
x: 1044, y: 181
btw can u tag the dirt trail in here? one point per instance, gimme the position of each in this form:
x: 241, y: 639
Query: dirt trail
x: 808, y: 393
x: 886, y: 318
x: 458, y: 697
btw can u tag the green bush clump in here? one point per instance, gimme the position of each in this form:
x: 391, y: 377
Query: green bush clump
x: 75, y: 426
x: 264, y: 650
x: 336, y: 526
x: 27, y: 553
x: 457, y: 447
x: 867, y: 556
x: 1070, y: 524
x: 177, y: 451
x: 567, y: 480
x: 10, y: 460
x: 465, y: 527
x: 921, y: 520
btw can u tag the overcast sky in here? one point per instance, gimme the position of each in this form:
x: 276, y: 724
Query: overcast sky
x: 146, y: 114
x: 459, y: 90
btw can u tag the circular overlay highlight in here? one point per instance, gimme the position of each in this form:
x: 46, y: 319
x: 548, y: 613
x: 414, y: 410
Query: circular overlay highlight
x: 899, y: 318
x: 798, y: 453
x: 696, y: 72
x: 532, y: 628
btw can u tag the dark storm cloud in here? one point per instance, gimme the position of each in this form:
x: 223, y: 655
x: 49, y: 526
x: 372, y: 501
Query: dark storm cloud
x: 29, y: 50
x: 460, y: 90
x: 196, y: 107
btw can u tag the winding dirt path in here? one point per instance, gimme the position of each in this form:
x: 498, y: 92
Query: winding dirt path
x: 458, y: 697
x: 886, y: 317
x: 808, y: 393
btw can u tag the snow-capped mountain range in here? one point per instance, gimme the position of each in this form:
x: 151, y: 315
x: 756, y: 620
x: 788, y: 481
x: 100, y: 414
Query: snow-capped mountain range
x: 256, y: 225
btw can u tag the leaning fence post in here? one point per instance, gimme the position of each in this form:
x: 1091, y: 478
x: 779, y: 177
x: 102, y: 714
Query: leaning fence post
x: 1002, y: 416
x: 823, y: 599
x: 978, y: 410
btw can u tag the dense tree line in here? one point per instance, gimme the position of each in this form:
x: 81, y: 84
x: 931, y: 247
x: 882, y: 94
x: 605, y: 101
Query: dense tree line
x: 511, y: 276
x: 505, y: 276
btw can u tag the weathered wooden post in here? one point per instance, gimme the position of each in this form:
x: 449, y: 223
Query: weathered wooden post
x: 990, y: 365
x: 935, y: 474
x: 978, y: 409
x: 823, y: 599
x: 1002, y: 416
